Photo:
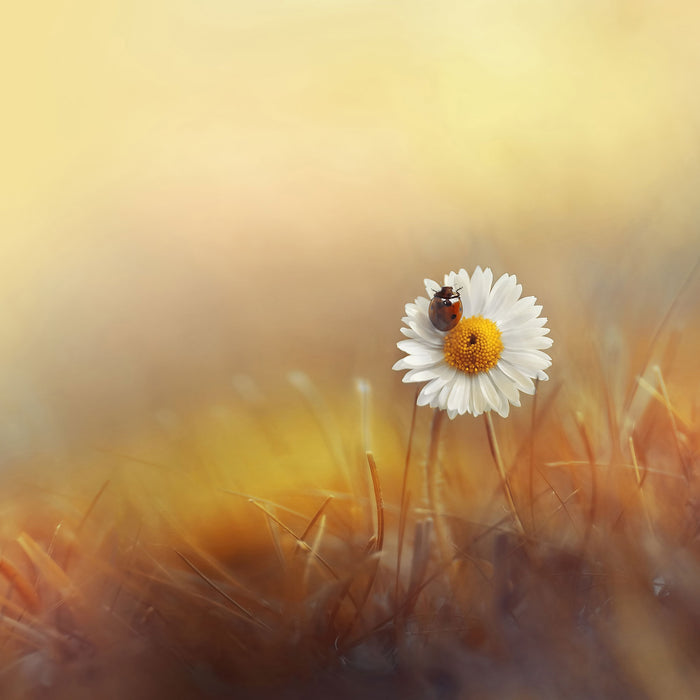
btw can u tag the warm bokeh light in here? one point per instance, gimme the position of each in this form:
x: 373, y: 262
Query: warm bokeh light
x: 197, y: 190
x: 198, y: 198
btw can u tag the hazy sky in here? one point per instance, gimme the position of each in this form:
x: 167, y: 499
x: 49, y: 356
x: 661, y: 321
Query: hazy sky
x: 192, y: 190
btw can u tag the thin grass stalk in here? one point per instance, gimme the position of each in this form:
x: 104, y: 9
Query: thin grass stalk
x: 531, y: 461
x: 405, y: 498
x: 592, y: 509
x: 432, y: 479
x: 640, y: 485
x: 379, y: 501
x: 496, y: 454
x: 674, y: 427
x: 215, y: 586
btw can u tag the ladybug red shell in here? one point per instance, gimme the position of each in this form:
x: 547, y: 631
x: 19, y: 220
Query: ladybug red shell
x: 445, y: 309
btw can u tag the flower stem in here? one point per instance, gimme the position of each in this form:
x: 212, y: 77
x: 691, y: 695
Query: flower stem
x: 405, y: 497
x: 496, y: 454
x: 432, y: 480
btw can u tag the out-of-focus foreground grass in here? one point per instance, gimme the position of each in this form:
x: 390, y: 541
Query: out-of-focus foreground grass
x: 198, y: 200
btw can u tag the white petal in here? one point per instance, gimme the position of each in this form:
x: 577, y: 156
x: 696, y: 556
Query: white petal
x: 502, y: 297
x: 504, y: 410
x: 473, y: 396
x: 493, y: 397
x: 423, y: 398
x: 522, y: 311
x: 526, y: 322
x: 431, y: 286
x: 427, y: 332
x: 464, y: 379
x: 479, y: 403
x: 505, y: 385
x: 416, y: 347
x: 462, y: 277
x: 503, y: 403
x: 424, y: 360
x: 421, y: 375
x: 464, y: 285
x: 522, y: 381
x: 541, y: 343
x: 442, y: 374
x: 529, y: 361
x: 481, y: 285
x: 418, y: 308
x: 455, y: 397
x: 415, y: 361
x: 430, y: 390
x: 428, y: 395
x: 410, y: 310
x: 515, y: 340
x: 440, y: 400
x: 522, y: 333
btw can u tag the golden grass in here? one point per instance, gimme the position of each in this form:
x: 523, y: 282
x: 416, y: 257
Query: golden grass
x: 195, y: 190
x: 553, y: 554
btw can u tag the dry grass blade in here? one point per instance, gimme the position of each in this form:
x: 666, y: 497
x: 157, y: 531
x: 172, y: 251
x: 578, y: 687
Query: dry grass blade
x: 245, y: 612
x: 658, y: 332
x: 83, y: 520
x: 301, y: 543
x: 432, y: 483
x: 598, y: 465
x: 267, y: 502
x: 498, y: 459
x: 379, y: 501
x: 640, y: 484
x: 674, y: 427
x: 585, y: 438
x: 313, y: 551
x: 421, y: 556
x: 405, y: 495
x: 644, y: 384
x: 361, y: 601
x: 19, y: 581
x: 315, y: 518
x: 52, y: 573
x: 176, y: 578
x: 35, y: 637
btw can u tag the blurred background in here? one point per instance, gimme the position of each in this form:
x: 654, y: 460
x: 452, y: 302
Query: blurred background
x: 198, y: 197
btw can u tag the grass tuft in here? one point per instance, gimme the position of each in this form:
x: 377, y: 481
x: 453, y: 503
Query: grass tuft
x: 570, y: 570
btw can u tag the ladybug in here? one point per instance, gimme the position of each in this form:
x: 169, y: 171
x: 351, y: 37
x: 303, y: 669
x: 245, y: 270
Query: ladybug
x: 445, y: 309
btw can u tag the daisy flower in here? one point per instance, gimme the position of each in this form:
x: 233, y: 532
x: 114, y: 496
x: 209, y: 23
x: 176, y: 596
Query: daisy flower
x: 491, y: 354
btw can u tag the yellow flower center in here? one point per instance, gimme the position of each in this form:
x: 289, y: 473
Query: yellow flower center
x: 473, y: 345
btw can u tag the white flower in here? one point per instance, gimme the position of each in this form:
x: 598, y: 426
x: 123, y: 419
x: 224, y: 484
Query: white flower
x: 492, y: 354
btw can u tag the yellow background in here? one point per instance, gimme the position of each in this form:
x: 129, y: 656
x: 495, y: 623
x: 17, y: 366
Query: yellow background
x: 194, y: 194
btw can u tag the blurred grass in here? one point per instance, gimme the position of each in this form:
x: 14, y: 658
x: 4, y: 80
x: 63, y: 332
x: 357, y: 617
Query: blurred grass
x: 198, y: 199
x: 196, y: 191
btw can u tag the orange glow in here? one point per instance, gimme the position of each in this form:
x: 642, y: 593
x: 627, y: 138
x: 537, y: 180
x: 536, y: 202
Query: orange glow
x: 211, y: 217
